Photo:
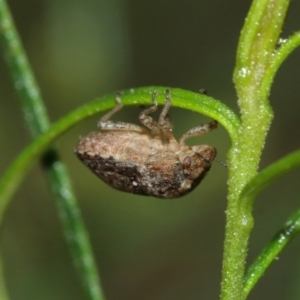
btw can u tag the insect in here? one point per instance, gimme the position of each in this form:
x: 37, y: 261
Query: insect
x: 146, y: 161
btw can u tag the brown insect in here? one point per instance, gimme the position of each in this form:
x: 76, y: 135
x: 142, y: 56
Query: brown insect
x: 146, y: 161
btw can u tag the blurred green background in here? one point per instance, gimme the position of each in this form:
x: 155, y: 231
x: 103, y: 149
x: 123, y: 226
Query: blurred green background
x: 145, y: 248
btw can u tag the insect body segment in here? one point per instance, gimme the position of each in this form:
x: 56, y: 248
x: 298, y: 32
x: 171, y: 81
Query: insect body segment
x: 147, y: 161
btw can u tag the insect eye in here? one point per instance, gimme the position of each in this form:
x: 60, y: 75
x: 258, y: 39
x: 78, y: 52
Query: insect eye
x: 187, y: 162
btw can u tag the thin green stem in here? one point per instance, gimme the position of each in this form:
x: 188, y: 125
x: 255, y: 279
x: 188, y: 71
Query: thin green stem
x: 292, y: 227
x: 256, y: 47
x: 141, y: 96
x: 23, y: 79
x: 267, y: 176
x: 284, y: 236
x: 286, y: 47
x: 37, y: 120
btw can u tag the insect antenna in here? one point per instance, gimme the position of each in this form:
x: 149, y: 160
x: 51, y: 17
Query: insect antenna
x: 220, y: 162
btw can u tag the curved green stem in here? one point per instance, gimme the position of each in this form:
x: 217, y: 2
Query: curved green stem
x: 185, y: 99
x: 180, y: 98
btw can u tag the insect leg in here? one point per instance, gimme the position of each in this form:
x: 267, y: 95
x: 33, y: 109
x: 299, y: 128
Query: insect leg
x: 164, y: 112
x: 105, y: 124
x: 164, y: 121
x: 118, y: 107
x: 199, y: 130
x: 147, y: 120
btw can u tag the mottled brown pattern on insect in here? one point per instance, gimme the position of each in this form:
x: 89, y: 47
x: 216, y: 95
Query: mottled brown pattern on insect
x: 146, y: 162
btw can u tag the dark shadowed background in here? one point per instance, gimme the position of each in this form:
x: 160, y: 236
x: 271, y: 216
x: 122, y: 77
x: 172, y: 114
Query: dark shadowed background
x: 145, y: 248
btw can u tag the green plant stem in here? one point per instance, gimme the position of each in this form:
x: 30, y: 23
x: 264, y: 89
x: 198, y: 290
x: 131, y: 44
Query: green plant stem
x: 267, y: 176
x: 256, y: 48
x: 37, y: 120
x: 291, y: 227
x: 286, y: 47
x: 141, y: 96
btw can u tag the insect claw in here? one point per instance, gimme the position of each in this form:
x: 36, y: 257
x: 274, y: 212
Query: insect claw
x: 203, y: 91
x: 154, y: 94
x: 118, y: 98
